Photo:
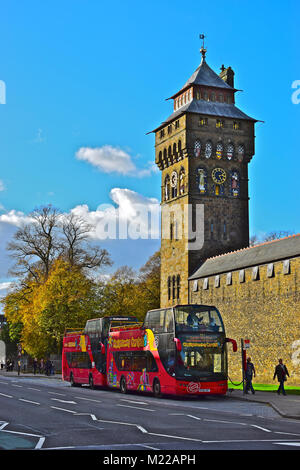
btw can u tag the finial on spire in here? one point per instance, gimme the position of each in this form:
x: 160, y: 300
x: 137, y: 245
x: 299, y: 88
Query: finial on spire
x: 203, y: 50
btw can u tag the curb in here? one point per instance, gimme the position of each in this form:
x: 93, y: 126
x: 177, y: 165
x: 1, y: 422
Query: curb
x: 275, y: 407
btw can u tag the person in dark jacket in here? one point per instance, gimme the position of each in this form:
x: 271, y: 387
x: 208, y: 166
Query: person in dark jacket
x: 281, y: 372
x: 249, y: 372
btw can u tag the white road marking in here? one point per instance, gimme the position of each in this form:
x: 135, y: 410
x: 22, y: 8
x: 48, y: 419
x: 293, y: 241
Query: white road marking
x: 297, y: 444
x: 89, y: 399
x: 62, y: 409
x: 29, y: 401
x: 40, y: 441
x: 3, y: 395
x: 194, y: 417
x: 135, y: 402
x: 259, y: 427
x: 136, y: 408
x: 19, y: 386
x: 55, y: 393
x: 148, y: 447
x: 65, y: 401
x: 36, y: 389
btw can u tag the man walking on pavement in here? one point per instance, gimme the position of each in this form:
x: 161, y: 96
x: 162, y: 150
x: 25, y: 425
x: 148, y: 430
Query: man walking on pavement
x: 281, y: 372
x: 250, y: 371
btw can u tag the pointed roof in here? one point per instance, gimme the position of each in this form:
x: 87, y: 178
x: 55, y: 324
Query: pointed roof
x: 204, y: 75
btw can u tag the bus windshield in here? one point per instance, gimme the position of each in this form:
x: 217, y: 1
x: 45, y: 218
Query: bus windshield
x: 194, y: 318
x: 200, y: 360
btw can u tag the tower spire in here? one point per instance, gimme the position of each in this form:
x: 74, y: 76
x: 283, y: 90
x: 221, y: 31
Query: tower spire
x: 203, y: 50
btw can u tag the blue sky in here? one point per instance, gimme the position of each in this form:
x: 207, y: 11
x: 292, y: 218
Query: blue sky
x: 93, y: 74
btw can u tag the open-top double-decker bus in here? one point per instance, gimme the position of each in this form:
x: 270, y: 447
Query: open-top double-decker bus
x: 179, y: 350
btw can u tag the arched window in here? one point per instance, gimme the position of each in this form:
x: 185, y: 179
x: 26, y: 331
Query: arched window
x: 197, y: 148
x: 167, y: 188
x: 235, y: 183
x: 169, y: 151
x: 230, y: 151
x: 212, y: 230
x: 208, y: 149
x: 173, y: 287
x: 178, y: 287
x: 182, y: 181
x: 241, y: 152
x: 219, y: 150
x: 174, y: 149
x: 202, y: 180
x: 225, y: 230
x: 179, y: 145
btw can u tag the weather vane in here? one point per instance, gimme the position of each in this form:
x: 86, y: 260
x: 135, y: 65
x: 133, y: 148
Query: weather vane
x: 202, y: 50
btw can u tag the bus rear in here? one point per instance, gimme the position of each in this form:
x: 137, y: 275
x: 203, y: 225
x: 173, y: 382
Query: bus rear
x: 84, y: 351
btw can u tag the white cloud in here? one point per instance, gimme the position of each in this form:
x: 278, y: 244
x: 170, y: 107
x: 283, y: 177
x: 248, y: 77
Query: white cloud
x: 132, y: 216
x: 16, y: 218
x: 2, y: 187
x: 5, y: 285
x: 111, y: 159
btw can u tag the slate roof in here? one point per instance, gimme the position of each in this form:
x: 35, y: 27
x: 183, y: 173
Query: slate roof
x: 204, y: 75
x: 264, y: 253
x: 208, y: 108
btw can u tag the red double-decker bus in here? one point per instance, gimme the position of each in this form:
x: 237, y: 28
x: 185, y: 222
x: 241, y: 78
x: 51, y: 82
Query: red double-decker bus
x: 84, y: 351
x: 180, y: 350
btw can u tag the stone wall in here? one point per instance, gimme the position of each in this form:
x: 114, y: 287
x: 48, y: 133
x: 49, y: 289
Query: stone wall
x: 264, y: 309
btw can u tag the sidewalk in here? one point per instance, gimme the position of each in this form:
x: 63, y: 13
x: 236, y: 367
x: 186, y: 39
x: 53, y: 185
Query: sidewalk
x: 287, y: 406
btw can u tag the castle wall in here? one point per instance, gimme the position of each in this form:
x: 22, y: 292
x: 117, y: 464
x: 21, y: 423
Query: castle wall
x: 265, y: 310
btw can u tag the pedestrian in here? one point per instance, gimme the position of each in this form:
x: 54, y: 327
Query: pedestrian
x: 19, y: 367
x: 48, y: 367
x: 281, y: 372
x: 35, y: 365
x: 249, y: 373
x: 41, y: 367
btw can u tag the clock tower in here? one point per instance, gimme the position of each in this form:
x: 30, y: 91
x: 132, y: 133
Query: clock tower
x: 203, y: 150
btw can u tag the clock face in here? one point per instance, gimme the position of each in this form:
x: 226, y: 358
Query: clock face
x: 219, y: 175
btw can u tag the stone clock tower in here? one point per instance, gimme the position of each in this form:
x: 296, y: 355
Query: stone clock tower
x: 203, y: 150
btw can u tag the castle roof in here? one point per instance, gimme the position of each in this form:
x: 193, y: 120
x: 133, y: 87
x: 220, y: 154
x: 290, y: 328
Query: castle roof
x: 204, y: 75
x: 268, y: 252
x: 208, y: 108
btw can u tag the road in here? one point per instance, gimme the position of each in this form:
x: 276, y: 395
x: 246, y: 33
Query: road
x: 42, y: 413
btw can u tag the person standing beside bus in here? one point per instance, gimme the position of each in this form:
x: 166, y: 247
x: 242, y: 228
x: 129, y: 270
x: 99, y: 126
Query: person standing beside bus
x: 281, y: 372
x: 249, y: 372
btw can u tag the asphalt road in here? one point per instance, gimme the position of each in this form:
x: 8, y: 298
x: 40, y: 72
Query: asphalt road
x: 41, y: 413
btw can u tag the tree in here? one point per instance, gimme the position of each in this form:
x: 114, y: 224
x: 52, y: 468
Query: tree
x: 35, y: 245
x: 275, y: 235
x: 131, y: 293
x: 76, y: 247
x: 67, y: 299
x: 51, y: 235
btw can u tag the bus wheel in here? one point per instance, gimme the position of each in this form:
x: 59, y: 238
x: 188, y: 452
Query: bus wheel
x: 156, y: 388
x: 123, y: 385
x: 91, y: 382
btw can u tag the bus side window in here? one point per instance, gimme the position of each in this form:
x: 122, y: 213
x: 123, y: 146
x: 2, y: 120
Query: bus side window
x: 169, y: 322
x: 155, y: 321
x: 151, y: 363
